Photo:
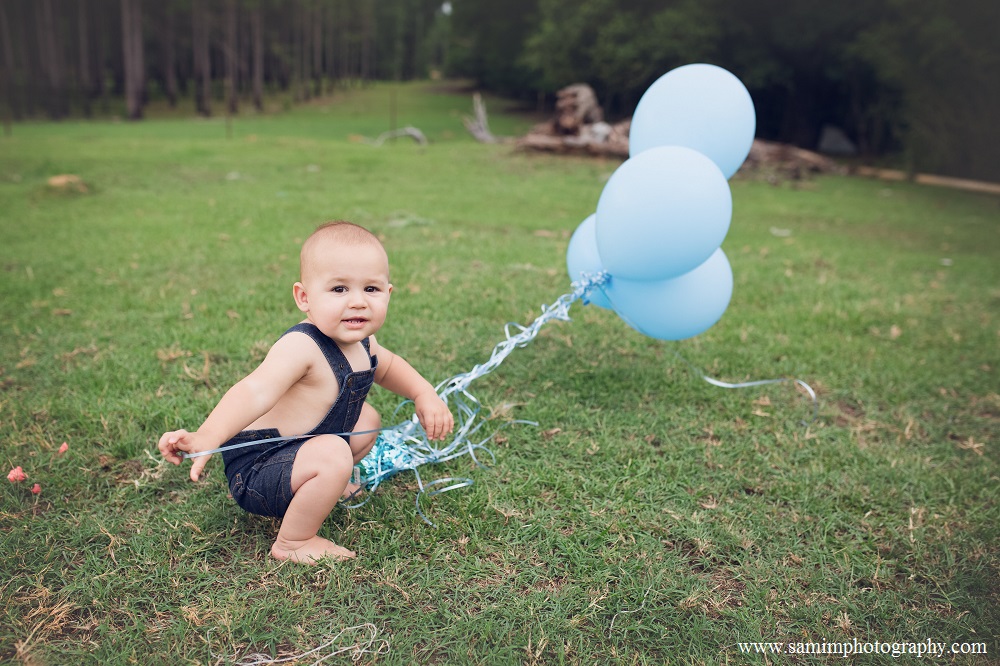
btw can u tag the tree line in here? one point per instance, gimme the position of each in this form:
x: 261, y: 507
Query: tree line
x: 914, y: 78
x: 905, y: 77
x: 61, y: 57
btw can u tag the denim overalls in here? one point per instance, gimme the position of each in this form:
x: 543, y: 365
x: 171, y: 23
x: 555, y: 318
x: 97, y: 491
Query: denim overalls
x: 260, y: 477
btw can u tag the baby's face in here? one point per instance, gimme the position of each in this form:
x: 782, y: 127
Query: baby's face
x: 346, y: 290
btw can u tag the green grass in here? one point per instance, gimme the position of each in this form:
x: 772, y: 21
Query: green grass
x: 651, y: 518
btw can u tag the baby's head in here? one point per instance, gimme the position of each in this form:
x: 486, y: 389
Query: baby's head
x: 333, y: 238
x: 344, y: 284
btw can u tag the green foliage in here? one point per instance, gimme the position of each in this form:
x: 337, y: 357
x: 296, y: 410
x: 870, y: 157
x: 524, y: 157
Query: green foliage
x: 651, y: 518
x: 942, y: 62
x: 895, y: 75
x: 619, y: 50
x: 487, y: 40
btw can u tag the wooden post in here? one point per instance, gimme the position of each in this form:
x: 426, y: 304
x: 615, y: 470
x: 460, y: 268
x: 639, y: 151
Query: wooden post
x: 392, y: 110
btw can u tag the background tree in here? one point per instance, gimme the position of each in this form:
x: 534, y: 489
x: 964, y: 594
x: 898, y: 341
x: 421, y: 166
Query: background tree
x: 257, y: 32
x: 619, y: 50
x: 8, y: 72
x: 894, y: 74
x: 51, y: 60
x: 200, y: 32
x: 488, y: 38
x: 940, y: 62
x: 231, y: 54
x: 85, y: 71
x: 133, y: 58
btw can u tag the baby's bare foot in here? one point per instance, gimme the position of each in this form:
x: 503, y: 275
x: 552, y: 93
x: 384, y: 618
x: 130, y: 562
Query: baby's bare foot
x: 351, y: 491
x: 309, y: 551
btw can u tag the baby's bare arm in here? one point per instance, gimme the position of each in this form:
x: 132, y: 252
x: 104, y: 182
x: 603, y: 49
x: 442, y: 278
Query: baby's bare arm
x: 398, y: 376
x: 244, y: 403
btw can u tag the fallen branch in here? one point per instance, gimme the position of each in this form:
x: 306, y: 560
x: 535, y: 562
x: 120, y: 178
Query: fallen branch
x: 411, y: 132
x: 479, y: 126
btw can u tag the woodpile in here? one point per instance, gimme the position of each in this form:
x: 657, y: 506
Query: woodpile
x: 578, y: 127
x: 785, y: 161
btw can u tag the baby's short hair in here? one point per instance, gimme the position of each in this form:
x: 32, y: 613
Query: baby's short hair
x: 340, y: 232
x: 344, y: 232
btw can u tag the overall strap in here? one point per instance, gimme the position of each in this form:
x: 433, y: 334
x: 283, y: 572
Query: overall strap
x: 334, y: 356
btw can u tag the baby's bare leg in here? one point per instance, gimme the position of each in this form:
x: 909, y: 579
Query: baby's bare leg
x: 362, y: 444
x: 319, y: 474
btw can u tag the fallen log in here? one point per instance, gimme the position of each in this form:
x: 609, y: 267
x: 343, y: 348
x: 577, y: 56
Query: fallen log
x: 929, y: 179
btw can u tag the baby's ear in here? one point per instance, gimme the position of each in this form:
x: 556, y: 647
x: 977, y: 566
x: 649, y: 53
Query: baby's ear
x: 389, y: 290
x: 300, y: 296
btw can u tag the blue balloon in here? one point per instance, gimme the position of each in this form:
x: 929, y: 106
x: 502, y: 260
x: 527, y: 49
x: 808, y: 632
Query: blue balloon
x: 700, y: 106
x: 582, y: 258
x: 678, y: 308
x: 662, y: 213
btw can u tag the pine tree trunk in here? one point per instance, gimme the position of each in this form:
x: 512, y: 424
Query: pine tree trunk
x: 202, y: 58
x: 317, y: 43
x: 367, y: 39
x: 295, y: 48
x: 138, y: 51
x: 130, y: 94
x: 330, y: 45
x: 258, y: 58
x: 55, y: 96
x: 303, y: 35
x: 102, y: 43
x: 170, y: 56
x: 344, y: 65
x: 29, y: 72
x: 132, y: 59
x: 231, y: 55
x: 8, y: 75
x: 84, y: 70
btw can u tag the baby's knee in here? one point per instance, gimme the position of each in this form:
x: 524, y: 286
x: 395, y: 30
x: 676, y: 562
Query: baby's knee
x: 326, y: 453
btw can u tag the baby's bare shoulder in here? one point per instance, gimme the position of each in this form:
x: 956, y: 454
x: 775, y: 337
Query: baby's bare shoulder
x: 294, y: 350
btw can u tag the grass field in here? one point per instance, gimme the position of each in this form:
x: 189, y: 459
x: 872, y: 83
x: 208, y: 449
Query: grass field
x: 650, y: 518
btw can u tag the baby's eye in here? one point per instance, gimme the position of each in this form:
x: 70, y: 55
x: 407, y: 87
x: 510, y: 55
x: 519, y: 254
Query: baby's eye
x: 339, y: 289
x: 372, y: 290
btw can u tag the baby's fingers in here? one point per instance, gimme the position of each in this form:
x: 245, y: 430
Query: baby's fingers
x: 444, y: 429
x: 169, y: 445
x: 429, y: 425
x: 440, y: 427
x: 198, y: 465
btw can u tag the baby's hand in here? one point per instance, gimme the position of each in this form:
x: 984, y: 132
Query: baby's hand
x: 177, y: 442
x: 434, y: 415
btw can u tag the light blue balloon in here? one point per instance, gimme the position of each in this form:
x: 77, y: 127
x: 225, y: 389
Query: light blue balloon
x: 678, y: 308
x: 662, y: 213
x: 700, y: 106
x: 582, y: 258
